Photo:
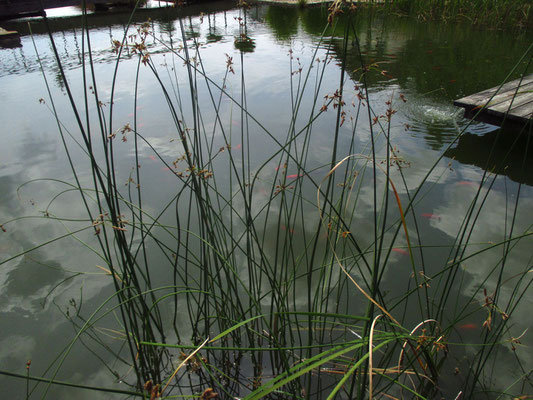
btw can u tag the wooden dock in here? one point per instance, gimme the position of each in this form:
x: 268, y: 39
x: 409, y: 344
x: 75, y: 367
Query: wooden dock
x: 10, y: 9
x: 510, y: 105
x: 6, y: 34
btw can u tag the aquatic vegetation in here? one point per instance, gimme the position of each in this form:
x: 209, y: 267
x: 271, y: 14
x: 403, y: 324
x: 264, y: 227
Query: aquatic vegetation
x: 267, y: 274
x: 497, y: 14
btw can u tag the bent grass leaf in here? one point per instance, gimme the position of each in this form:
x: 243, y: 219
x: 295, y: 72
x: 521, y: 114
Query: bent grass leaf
x: 307, y: 366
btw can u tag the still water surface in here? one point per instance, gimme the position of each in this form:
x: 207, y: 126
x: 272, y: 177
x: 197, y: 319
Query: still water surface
x: 429, y: 64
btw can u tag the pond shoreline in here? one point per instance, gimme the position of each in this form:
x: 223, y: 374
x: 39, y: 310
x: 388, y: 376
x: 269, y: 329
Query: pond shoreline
x: 500, y: 18
x: 293, y: 2
x: 310, y: 2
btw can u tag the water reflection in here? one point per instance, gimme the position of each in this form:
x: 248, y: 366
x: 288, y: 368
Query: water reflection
x: 22, y: 293
x: 243, y: 40
x: 501, y: 152
x: 283, y: 21
x: 10, y: 42
x: 419, y: 61
x: 423, y: 61
x: 215, y: 34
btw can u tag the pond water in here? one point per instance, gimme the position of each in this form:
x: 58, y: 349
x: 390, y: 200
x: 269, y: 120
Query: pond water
x: 419, y: 67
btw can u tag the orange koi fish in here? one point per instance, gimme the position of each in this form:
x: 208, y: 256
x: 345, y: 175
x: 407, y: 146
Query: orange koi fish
x: 431, y: 216
x: 400, y: 251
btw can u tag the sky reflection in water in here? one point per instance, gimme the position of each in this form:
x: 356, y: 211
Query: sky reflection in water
x: 428, y: 64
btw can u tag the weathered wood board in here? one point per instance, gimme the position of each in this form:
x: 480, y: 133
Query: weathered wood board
x: 509, y: 105
x: 4, y: 33
x: 10, y: 9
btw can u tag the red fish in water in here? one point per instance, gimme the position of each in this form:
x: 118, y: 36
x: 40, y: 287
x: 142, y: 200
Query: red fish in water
x: 466, y: 183
x: 431, y: 216
x: 290, y: 230
x: 453, y: 80
x: 467, y: 327
x: 238, y: 147
x: 400, y: 251
x: 152, y: 157
x: 294, y: 176
x: 138, y: 108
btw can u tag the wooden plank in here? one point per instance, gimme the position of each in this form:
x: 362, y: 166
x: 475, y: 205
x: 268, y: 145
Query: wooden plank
x: 478, y: 98
x: 508, y: 95
x: 502, y: 101
x: 524, y: 111
x: 502, y: 97
x: 518, y: 101
x: 520, y: 114
x: 510, y: 104
x: 13, y: 9
x: 4, y: 33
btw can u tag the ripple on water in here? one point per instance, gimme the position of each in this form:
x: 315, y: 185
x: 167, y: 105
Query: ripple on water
x: 440, y: 123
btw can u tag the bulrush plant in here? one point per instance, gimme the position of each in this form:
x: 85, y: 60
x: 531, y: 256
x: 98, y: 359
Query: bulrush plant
x: 253, y: 281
